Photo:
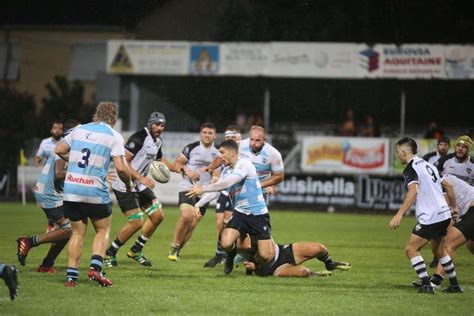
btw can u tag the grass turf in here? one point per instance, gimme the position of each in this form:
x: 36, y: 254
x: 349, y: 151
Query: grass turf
x: 379, y: 283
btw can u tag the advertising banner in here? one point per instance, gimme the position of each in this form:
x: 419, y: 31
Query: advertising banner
x: 315, y: 60
x: 357, y: 192
x: 458, y: 62
x: 147, y: 57
x: 408, y: 61
x: 204, y: 59
x: 244, y: 59
x: 346, y: 155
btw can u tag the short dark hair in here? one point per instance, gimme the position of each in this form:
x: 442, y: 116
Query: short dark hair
x: 70, y: 123
x: 229, y: 144
x: 233, y: 127
x: 444, y: 139
x: 56, y: 122
x: 207, y: 125
x: 410, y: 142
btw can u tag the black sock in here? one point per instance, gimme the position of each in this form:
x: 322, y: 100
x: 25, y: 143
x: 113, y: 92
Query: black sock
x: 219, y: 250
x: 324, y: 257
x: 139, y: 244
x: 33, y: 241
x: 437, y: 279
x: 54, y: 252
x: 114, y: 247
x: 97, y: 262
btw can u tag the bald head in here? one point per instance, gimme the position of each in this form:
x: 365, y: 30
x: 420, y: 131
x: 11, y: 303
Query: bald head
x: 257, y: 138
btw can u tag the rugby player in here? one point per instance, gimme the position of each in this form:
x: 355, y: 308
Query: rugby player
x: 224, y: 205
x: 89, y: 149
x: 442, y: 149
x: 289, y: 258
x: 459, y: 163
x: 193, y: 158
x: 9, y: 274
x: 46, y: 149
x: 141, y: 149
x: 462, y: 232
x: 250, y: 214
x: 433, y: 214
x: 49, y: 197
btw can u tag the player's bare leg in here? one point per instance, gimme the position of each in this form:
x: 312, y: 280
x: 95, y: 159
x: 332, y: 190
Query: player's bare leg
x: 228, y: 239
x: 99, y: 244
x: 412, y: 250
x: 439, y: 251
x: 76, y: 242
x: 185, y: 220
x: 304, y: 251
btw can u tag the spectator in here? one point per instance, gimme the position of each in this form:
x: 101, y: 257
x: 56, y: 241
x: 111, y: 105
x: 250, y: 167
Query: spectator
x: 370, y: 128
x: 433, y: 131
x: 348, y: 127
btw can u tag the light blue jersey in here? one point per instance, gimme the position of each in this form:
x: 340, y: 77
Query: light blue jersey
x: 246, y: 195
x: 92, y: 147
x: 46, y: 148
x: 45, y: 191
x: 267, y: 161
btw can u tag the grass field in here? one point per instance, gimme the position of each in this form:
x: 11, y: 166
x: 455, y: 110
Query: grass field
x: 379, y: 283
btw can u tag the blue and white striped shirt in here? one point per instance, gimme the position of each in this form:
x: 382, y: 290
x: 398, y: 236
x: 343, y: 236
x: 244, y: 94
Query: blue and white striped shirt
x: 92, y: 147
x: 45, y: 192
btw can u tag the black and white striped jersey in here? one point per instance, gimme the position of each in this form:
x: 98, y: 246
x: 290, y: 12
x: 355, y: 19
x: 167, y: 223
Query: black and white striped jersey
x: 431, y: 206
x: 198, y: 156
x: 145, y: 150
x: 449, y: 164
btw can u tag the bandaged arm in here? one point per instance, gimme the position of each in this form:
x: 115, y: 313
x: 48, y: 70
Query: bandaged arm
x: 206, y: 198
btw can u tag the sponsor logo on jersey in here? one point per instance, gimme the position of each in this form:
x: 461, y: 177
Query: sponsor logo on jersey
x: 79, y: 180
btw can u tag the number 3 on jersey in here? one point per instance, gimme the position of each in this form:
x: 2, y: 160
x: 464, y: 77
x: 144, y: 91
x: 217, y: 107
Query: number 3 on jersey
x: 85, y: 159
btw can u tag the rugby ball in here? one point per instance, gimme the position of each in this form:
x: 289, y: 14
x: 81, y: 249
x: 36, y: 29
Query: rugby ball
x: 159, y: 171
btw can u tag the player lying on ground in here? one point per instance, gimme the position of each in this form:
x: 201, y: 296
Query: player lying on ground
x: 289, y: 258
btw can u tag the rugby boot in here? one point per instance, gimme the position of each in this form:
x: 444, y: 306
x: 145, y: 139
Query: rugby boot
x: 214, y: 261
x: 453, y: 289
x: 70, y: 283
x: 110, y: 261
x: 139, y: 257
x: 10, y: 276
x: 45, y: 269
x: 174, y: 254
x: 334, y: 265
x: 23, y: 246
x: 97, y: 276
x: 428, y: 289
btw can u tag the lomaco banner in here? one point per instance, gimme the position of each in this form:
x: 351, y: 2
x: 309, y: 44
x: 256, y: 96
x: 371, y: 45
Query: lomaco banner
x: 363, y: 192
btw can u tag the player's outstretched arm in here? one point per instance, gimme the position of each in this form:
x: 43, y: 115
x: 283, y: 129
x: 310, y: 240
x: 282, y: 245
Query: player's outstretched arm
x: 123, y: 171
x: 410, y: 198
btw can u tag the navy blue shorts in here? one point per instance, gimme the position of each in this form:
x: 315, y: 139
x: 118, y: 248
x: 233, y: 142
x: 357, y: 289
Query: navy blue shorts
x: 134, y: 200
x: 254, y: 225
x: 183, y: 199
x: 223, y: 203
x: 77, y: 211
x: 55, y: 213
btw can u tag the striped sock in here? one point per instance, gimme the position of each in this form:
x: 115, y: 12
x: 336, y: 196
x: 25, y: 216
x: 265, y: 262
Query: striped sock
x: 33, y: 240
x: 72, y: 274
x: 448, y: 267
x: 420, y: 268
x: 114, y: 247
x: 139, y: 244
x: 325, y: 257
x: 97, y: 262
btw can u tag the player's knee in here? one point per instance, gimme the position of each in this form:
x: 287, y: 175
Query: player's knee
x: 157, y: 217
x: 227, y: 244
x: 319, y: 248
x: 410, y: 251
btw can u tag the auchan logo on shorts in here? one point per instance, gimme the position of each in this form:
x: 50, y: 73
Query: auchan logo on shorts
x: 79, y: 180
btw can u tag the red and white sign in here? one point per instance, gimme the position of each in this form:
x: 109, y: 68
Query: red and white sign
x: 345, y: 155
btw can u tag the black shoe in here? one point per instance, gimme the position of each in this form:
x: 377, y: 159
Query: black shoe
x: 417, y: 285
x: 229, y: 262
x: 426, y: 289
x: 339, y: 266
x: 214, y: 261
x: 434, y: 263
x: 453, y: 289
x: 10, y: 276
x: 248, y: 271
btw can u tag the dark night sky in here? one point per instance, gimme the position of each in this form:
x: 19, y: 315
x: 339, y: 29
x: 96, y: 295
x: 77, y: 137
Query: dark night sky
x: 442, y: 21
